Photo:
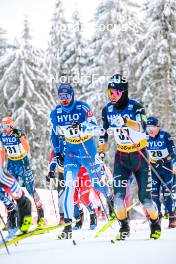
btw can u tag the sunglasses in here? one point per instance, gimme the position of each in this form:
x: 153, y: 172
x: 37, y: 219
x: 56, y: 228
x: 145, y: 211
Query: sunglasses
x: 114, y: 92
x: 64, y: 96
x: 150, y: 128
x: 5, y: 126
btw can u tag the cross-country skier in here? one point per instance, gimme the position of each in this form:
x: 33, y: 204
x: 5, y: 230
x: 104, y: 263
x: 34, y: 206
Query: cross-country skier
x: 75, y: 120
x: 126, y: 118
x: 162, y: 152
x: 9, y: 185
x: 12, y: 214
x: 82, y: 193
x: 16, y: 149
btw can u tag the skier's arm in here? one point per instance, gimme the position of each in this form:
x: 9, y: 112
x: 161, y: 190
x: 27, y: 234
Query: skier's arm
x: 90, y: 122
x: 19, y: 134
x: 2, y: 154
x: 170, y: 147
x: 54, y: 132
x: 140, y: 123
x: 103, y: 139
x: 25, y: 143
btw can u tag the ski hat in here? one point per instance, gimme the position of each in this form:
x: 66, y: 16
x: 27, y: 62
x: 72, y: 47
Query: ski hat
x: 67, y: 88
x: 118, y: 82
x: 152, y: 121
x: 7, y: 121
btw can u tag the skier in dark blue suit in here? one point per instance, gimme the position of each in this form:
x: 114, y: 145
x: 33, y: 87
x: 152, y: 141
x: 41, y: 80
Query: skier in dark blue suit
x: 162, y: 152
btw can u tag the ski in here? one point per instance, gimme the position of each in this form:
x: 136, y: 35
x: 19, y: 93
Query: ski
x: 111, y: 221
x: 36, y: 231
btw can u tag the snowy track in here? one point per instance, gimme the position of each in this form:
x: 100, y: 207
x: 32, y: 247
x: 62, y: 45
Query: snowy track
x: 45, y: 248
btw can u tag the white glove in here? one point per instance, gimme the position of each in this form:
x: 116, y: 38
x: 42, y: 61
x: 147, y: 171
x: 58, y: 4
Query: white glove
x: 118, y: 121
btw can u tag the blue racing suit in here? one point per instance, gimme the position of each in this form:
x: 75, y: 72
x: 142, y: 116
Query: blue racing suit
x: 161, y: 147
x: 6, y: 199
x: 18, y: 162
x: 80, y: 149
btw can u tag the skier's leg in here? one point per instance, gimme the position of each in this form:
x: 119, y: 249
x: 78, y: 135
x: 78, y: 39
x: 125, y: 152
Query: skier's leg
x: 61, y: 190
x: 11, y: 186
x: 144, y: 180
x: 25, y: 172
x: 168, y: 199
x: 121, y: 176
x: 78, y: 211
x: 12, y: 216
x: 71, y: 168
x: 156, y: 190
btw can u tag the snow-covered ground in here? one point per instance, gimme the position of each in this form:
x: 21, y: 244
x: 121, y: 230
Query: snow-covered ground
x: 45, y: 248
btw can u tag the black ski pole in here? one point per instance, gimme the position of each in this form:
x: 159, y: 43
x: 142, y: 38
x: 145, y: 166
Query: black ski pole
x: 2, y: 220
x: 148, y: 162
x: 96, y: 173
x: 3, y: 240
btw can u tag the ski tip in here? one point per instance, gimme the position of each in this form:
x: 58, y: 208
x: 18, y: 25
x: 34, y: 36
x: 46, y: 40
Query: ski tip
x: 74, y: 242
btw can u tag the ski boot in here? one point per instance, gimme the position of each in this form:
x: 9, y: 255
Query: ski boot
x: 155, y: 227
x: 40, y: 219
x: 61, y: 221
x: 93, y: 220
x: 124, y: 230
x: 12, y: 218
x: 172, y: 220
x: 24, y: 210
x: 79, y: 224
x: 12, y: 222
x: 160, y: 216
x: 67, y: 231
x: 111, y: 209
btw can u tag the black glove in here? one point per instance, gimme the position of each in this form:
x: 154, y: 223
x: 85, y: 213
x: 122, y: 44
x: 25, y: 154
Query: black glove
x: 51, y: 175
x: 60, y: 159
x: 17, y: 133
x: 76, y: 124
x: 159, y: 163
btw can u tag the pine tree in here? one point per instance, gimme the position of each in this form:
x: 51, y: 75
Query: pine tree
x: 75, y: 57
x: 3, y: 50
x: 25, y: 90
x: 113, y: 45
x: 156, y: 69
x: 57, y: 44
x: 3, y: 42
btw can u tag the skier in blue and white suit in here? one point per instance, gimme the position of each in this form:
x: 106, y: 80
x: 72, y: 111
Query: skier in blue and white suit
x: 74, y: 119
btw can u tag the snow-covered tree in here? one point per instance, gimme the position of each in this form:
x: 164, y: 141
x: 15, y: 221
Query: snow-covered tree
x: 113, y: 44
x: 111, y: 49
x: 26, y: 94
x: 3, y: 49
x: 156, y: 71
x: 57, y: 44
x: 75, y: 56
x: 3, y: 42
